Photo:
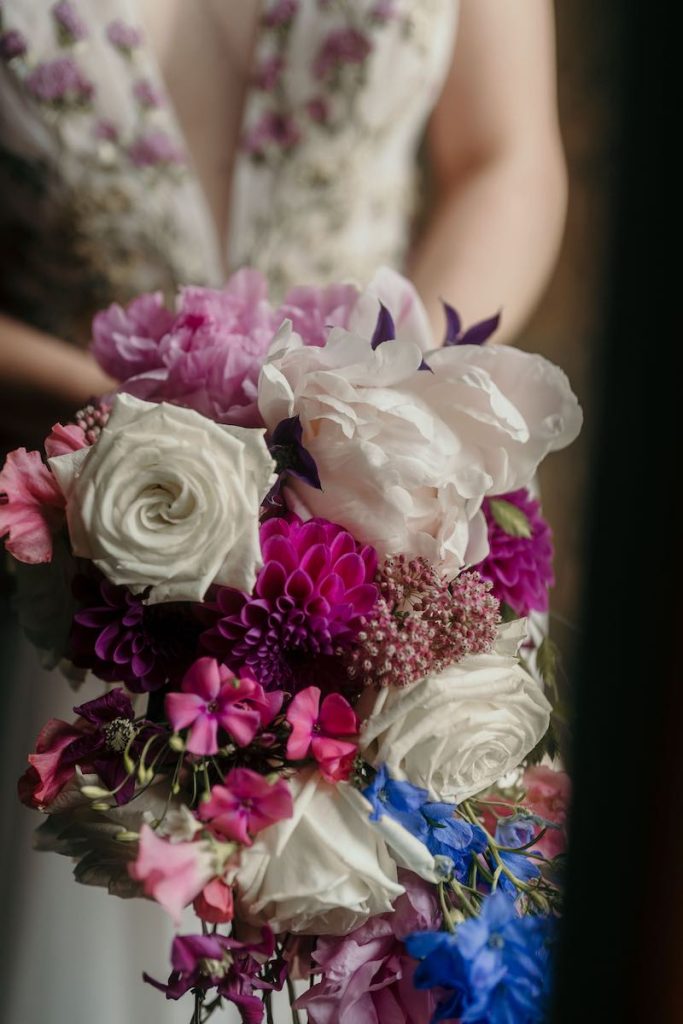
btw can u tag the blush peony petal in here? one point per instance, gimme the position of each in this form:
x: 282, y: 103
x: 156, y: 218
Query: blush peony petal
x: 31, y: 507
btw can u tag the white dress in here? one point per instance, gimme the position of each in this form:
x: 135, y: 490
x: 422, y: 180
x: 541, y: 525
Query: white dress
x: 100, y: 202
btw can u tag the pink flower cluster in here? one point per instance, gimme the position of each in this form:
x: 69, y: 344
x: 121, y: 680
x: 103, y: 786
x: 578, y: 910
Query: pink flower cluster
x: 422, y: 623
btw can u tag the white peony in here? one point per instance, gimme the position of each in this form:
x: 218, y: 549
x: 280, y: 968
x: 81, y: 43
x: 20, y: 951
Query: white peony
x: 406, y: 456
x: 458, y: 732
x: 168, y: 498
x: 322, y: 872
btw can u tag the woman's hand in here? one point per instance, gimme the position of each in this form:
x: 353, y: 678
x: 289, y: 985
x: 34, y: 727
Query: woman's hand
x: 498, y: 169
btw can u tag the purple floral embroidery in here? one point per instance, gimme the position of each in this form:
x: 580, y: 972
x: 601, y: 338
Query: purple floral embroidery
x: 124, y: 37
x: 272, y: 128
x: 70, y: 25
x: 12, y: 44
x: 60, y: 81
x: 154, y: 148
x: 105, y: 130
x: 345, y: 46
x: 280, y: 13
x: 318, y: 109
x: 147, y: 94
x: 267, y: 75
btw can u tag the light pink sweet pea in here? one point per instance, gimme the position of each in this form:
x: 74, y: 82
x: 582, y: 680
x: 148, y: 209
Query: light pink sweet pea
x: 173, y: 874
x: 215, y: 903
x: 31, y: 507
x: 318, y: 729
x: 548, y: 794
x: 245, y: 805
x: 212, y: 698
x: 63, y: 439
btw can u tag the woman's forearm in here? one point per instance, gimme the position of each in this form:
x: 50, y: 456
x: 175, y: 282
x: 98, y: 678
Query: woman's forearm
x: 491, y: 240
x: 33, y: 361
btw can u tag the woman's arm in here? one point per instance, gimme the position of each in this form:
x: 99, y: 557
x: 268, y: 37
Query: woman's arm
x: 498, y: 168
x: 33, y: 361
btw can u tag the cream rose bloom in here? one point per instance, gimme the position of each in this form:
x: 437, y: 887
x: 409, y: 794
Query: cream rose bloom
x: 406, y: 456
x: 169, y: 499
x: 323, y: 871
x: 458, y: 732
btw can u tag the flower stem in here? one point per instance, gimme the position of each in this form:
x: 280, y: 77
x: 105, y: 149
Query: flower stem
x: 296, y: 1019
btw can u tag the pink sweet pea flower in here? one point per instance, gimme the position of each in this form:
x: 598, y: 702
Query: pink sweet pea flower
x: 247, y: 803
x: 47, y: 774
x: 547, y: 794
x: 318, y: 729
x: 173, y: 874
x: 65, y: 439
x: 211, y: 697
x: 31, y: 506
x: 215, y: 903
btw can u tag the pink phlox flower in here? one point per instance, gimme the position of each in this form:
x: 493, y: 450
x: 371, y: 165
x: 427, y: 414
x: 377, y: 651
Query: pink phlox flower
x: 212, y: 698
x: 31, y: 507
x: 247, y: 803
x: 171, y: 873
x: 318, y: 729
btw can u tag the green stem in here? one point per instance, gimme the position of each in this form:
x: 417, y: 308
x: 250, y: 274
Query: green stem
x: 296, y: 1019
x: 445, y: 909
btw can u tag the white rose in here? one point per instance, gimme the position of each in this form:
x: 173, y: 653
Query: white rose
x: 458, y: 732
x: 406, y: 456
x: 322, y: 872
x: 169, y: 499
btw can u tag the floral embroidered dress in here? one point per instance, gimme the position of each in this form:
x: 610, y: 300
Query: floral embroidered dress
x: 98, y: 201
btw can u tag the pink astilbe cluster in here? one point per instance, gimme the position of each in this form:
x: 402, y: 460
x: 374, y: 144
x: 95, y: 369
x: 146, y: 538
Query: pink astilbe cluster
x: 422, y: 623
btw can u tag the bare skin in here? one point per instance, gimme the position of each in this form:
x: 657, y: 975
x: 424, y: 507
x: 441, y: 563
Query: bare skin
x: 493, y: 140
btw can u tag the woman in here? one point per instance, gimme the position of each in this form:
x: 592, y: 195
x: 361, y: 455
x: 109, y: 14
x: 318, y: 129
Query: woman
x: 145, y: 144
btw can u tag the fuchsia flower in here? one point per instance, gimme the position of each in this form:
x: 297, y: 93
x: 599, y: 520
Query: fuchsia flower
x: 308, y: 603
x: 318, y: 729
x: 171, y: 873
x: 247, y: 803
x: 520, y: 567
x: 213, y: 698
x: 31, y: 506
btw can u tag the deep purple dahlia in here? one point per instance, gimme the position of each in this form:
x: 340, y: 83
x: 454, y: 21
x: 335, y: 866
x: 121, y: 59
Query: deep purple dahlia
x: 123, y: 640
x: 310, y: 597
x: 520, y: 568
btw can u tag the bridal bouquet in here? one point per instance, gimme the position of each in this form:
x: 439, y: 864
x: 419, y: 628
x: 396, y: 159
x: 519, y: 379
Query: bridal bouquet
x: 301, y: 549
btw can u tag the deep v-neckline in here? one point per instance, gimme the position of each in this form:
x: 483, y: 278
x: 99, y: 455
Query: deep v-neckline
x: 219, y: 233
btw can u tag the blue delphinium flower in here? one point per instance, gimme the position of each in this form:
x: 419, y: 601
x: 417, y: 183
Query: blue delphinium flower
x: 434, y: 824
x: 495, y: 968
x: 517, y: 831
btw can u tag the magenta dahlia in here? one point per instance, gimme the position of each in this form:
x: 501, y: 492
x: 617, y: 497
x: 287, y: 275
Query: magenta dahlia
x: 308, y: 603
x: 519, y: 567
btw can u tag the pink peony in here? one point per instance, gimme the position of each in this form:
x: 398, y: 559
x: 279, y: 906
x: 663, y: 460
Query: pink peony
x: 367, y: 974
x: 313, y: 310
x: 319, y: 730
x: 31, y: 507
x: 548, y: 794
x: 213, y: 698
x: 173, y: 874
x: 247, y: 803
x: 126, y: 341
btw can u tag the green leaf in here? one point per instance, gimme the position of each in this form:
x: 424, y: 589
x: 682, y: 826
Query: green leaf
x: 508, y: 614
x: 511, y: 519
x: 547, y: 659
